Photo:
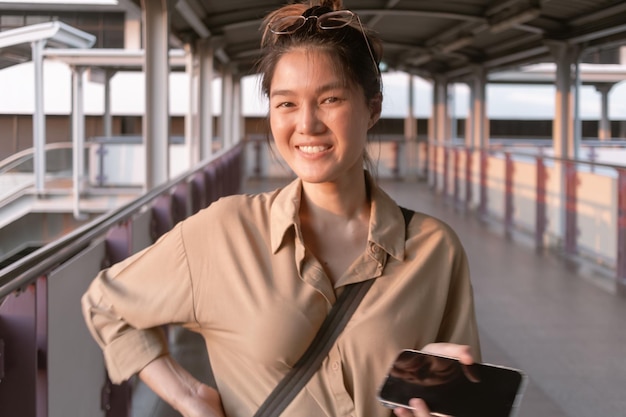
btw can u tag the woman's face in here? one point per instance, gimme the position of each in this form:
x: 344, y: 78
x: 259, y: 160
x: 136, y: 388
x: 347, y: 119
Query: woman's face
x: 319, y: 124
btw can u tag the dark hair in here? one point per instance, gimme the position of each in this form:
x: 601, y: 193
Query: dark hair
x: 347, y: 46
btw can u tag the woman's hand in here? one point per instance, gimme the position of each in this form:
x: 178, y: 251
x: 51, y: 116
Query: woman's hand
x: 206, y: 403
x: 170, y: 381
x: 461, y: 352
x: 452, y: 350
x: 419, y: 409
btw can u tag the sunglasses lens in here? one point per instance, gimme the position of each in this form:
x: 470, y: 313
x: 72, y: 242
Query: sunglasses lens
x: 286, y: 25
x: 335, y: 20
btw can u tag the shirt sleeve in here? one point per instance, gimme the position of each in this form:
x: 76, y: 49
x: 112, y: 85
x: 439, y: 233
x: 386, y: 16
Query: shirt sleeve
x: 126, y: 304
x: 459, y: 320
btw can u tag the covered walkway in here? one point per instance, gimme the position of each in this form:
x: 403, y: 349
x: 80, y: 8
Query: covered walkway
x: 556, y: 321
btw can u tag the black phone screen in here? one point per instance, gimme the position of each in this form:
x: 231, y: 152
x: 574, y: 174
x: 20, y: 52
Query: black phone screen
x: 451, y: 388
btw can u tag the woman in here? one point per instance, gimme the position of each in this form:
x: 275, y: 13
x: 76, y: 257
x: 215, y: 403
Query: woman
x: 256, y: 275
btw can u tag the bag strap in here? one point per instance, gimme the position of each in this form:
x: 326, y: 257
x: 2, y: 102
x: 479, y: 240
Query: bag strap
x: 310, y: 362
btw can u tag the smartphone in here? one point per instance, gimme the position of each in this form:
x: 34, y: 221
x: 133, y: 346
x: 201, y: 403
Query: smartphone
x: 450, y: 388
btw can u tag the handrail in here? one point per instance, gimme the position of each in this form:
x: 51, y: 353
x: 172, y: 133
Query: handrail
x: 494, y: 150
x: 19, y: 157
x: 22, y: 273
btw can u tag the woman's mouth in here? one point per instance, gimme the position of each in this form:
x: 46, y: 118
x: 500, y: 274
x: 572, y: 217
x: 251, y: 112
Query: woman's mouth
x: 313, y: 149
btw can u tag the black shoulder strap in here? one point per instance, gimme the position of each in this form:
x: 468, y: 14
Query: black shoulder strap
x: 310, y: 362
x: 408, y: 214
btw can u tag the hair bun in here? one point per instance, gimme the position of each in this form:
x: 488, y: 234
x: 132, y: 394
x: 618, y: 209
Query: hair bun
x: 331, y: 4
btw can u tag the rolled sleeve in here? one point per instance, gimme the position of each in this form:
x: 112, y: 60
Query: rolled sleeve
x: 126, y: 305
x: 132, y: 351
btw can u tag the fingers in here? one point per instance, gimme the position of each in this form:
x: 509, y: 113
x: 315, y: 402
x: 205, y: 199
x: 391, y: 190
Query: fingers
x: 419, y: 409
x: 461, y: 352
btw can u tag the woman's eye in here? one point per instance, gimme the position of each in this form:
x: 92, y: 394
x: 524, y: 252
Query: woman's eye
x: 331, y: 100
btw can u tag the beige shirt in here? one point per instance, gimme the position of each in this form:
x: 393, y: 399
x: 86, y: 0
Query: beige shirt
x: 239, y: 274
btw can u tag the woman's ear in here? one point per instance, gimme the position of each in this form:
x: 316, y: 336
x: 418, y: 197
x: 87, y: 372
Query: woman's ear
x: 376, y: 104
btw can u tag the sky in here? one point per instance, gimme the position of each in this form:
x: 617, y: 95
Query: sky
x: 127, y: 95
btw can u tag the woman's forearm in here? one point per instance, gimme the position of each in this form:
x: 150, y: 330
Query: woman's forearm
x: 176, y: 386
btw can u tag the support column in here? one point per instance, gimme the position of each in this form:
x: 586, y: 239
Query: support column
x: 566, y: 57
x: 78, y: 140
x: 604, y: 125
x: 107, y: 117
x: 564, y: 141
x: 469, y: 120
x: 39, y: 120
x: 226, y: 121
x: 156, y: 67
x: 237, y: 118
x: 411, y: 159
x: 480, y: 125
x: 192, y: 142
x: 440, y: 110
x: 205, y: 99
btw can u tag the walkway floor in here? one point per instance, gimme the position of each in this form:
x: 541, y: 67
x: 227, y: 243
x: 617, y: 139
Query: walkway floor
x: 535, y: 313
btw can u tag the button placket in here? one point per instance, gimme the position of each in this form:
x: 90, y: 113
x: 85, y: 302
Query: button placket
x: 345, y: 405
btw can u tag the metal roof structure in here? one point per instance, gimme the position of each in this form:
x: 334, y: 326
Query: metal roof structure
x: 16, y: 44
x: 424, y: 37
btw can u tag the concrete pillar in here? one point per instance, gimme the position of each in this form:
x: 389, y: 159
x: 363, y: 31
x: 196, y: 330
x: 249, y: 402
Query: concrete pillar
x: 565, y: 142
x: 604, y: 125
x: 78, y: 139
x: 478, y: 108
x: 192, y: 142
x: 469, y: 120
x: 226, y: 121
x: 39, y: 120
x: 440, y: 114
x: 563, y: 132
x: 205, y: 99
x: 156, y: 121
x: 411, y: 159
x: 238, y: 119
x: 107, y: 121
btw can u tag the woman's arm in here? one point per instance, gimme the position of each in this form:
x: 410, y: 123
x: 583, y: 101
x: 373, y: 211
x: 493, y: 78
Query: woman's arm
x: 170, y: 381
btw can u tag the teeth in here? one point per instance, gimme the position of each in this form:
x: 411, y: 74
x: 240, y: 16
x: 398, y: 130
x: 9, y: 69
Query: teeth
x: 313, y: 149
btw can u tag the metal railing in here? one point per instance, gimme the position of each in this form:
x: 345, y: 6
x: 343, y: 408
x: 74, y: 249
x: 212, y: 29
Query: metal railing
x: 575, y: 205
x: 49, y: 364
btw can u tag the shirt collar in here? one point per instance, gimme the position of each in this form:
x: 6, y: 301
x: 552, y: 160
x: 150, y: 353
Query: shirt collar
x: 387, y: 229
x: 284, y: 212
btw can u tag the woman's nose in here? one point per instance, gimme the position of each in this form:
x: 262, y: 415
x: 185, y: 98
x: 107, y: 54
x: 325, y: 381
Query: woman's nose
x: 309, y: 122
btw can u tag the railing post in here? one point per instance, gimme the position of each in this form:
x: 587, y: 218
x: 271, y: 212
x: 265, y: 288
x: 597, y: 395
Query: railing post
x: 446, y: 157
x: 258, y: 158
x: 468, y: 177
x: 508, y: 194
x: 395, y: 170
x: 541, y: 203
x: 571, y: 231
x: 482, y: 209
x: 101, y: 177
x: 457, y: 185
x: 621, y: 231
x: 433, y: 165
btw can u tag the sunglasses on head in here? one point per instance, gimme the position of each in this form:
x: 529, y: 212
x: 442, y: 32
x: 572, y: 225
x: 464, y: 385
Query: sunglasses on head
x: 289, y: 25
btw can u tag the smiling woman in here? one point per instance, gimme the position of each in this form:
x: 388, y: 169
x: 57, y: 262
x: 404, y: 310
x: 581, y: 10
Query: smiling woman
x: 257, y: 275
x: 320, y: 125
